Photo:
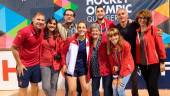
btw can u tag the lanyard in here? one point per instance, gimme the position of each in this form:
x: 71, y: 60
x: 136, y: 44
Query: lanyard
x: 105, y: 27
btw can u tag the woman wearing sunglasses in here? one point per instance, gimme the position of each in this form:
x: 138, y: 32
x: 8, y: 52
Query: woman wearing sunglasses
x: 150, y: 51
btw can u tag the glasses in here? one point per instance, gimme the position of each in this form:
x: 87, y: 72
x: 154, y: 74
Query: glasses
x: 69, y: 15
x: 142, y: 17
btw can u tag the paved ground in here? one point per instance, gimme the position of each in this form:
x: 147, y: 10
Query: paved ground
x: 61, y: 93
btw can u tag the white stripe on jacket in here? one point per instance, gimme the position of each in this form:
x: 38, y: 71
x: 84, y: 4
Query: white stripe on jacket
x: 72, y: 55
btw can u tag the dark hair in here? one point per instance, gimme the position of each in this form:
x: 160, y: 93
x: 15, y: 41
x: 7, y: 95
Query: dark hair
x: 55, y: 32
x: 145, y: 13
x: 99, y: 6
x: 69, y: 10
x: 82, y: 21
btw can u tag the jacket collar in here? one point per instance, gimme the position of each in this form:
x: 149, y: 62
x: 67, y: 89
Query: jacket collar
x: 148, y: 28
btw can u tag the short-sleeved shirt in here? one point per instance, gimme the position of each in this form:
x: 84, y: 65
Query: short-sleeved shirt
x: 28, y: 42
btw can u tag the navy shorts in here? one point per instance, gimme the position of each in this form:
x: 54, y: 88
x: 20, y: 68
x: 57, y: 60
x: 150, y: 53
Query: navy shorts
x: 78, y: 72
x: 32, y: 74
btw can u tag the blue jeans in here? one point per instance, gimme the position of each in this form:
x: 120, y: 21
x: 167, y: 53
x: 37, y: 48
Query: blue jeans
x: 107, y: 85
x: 120, y: 90
x: 49, y: 80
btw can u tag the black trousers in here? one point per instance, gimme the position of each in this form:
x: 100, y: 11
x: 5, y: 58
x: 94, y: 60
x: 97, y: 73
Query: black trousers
x: 134, y: 82
x: 151, y: 75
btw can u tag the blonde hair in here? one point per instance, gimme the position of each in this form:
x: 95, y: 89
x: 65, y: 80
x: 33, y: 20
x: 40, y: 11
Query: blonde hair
x: 111, y: 33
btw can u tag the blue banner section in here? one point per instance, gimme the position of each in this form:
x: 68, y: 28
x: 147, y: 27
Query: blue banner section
x: 164, y: 82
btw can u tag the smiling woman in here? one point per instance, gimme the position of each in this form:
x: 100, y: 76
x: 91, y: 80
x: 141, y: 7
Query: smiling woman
x: 76, y: 51
x: 148, y: 42
x: 121, y: 61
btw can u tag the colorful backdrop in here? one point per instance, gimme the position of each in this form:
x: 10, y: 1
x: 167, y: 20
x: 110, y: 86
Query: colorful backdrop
x: 15, y: 14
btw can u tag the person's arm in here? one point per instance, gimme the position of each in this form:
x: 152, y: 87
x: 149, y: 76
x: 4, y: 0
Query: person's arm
x: 160, y: 48
x: 18, y: 41
x: 19, y: 66
x: 62, y: 31
x: 127, y: 62
x: 63, y: 54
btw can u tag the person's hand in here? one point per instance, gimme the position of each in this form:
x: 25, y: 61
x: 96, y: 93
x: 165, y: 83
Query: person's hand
x: 130, y: 20
x: 119, y: 81
x: 114, y: 82
x: 64, y: 69
x: 115, y: 68
x: 20, y: 69
x: 162, y: 67
x: 160, y: 32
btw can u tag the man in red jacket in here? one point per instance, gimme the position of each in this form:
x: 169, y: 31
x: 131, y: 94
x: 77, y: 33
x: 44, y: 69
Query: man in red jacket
x: 104, y: 23
x: 25, y: 48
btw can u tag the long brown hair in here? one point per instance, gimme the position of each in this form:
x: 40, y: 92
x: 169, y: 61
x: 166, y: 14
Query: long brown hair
x: 55, y: 33
x: 110, y: 46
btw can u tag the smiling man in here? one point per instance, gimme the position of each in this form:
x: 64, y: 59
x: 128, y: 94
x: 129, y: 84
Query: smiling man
x: 26, y: 50
x: 127, y: 29
x: 104, y: 23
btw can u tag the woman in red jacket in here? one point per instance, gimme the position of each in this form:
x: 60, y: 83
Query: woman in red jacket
x: 50, y: 57
x: 150, y: 51
x: 98, y: 64
x: 75, y: 57
x: 121, y: 61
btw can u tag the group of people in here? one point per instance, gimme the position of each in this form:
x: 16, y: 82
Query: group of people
x: 112, y: 52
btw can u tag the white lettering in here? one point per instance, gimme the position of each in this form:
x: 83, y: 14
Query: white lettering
x: 112, y: 2
x: 98, y: 2
x: 106, y: 1
x: 125, y: 1
x: 119, y: 1
x: 89, y: 2
x: 91, y: 19
x: 110, y: 9
x: 128, y: 8
x: 90, y: 10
